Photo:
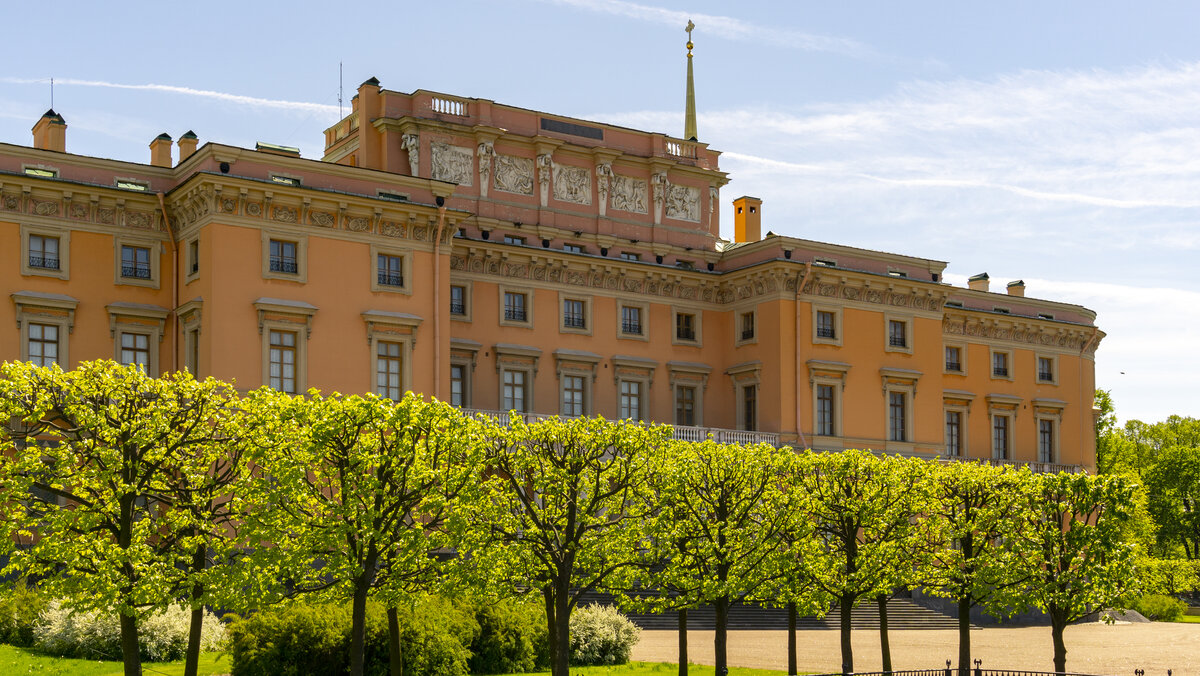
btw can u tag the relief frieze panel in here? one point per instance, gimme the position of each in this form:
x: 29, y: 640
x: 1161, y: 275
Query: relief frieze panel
x: 629, y: 194
x: 452, y: 163
x: 572, y: 184
x: 683, y: 203
x: 513, y: 174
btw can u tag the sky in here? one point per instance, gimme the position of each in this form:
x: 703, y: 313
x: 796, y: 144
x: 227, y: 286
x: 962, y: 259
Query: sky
x: 1051, y: 142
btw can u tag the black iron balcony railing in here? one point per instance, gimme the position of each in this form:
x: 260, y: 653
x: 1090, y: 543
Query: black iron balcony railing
x: 897, y: 341
x: 634, y: 327
x: 686, y: 334
x: 825, y: 332
x: 135, y: 271
x: 285, y: 265
x: 953, y: 366
x: 391, y: 279
x: 457, y: 307
x: 573, y: 321
x: 1045, y: 376
x: 515, y: 314
x: 44, y: 262
x: 1000, y: 371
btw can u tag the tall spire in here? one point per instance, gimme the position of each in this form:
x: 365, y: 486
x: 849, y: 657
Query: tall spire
x: 689, y: 114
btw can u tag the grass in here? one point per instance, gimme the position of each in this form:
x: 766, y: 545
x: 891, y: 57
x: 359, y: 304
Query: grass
x: 1189, y: 619
x: 659, y: 669
x: 15, y: 660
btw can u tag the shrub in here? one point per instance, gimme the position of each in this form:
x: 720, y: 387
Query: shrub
x: 1160, y: 607
x: 90, y: 635
x: 512, y: 638
x: 601, y: 635
x: 20, y: 608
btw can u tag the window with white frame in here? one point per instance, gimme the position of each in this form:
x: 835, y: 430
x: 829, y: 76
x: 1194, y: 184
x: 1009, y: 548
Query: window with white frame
x: 45, y: 251
x: 514, y: 386
x: 1001, y: 436
x: 282, y: 362
x: 749, y: 406
x: 954, y: 433
x: 954, y: 359
x: 572, y: 396
x: 284, y: 256
x: 825, y: 410
x: 45, y: 321
x: 898, y: 416
x: 389, y: 370
x: 685, y: 405
x: 1001, y: 364
x: 1047, y: 440
x: 631, y: 400
x: 42, y: 344
x: 135, y: 349
x: 458, y: 385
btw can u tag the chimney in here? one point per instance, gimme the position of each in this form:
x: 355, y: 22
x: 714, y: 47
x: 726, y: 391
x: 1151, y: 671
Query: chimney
x: 747, y: 219
x: 1016, y: 288
x: 978, y: 282
x: 50, y: 132
x: 187, y: 144
x: 160, y: 150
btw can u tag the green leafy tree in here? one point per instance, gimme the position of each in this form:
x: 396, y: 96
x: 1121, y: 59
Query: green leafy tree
x: 352, y: 493
x: 562, y: 506
x: 1173, y: 492
x: 107, y: 485
x: 975, y: 516
x: 1071, y: 551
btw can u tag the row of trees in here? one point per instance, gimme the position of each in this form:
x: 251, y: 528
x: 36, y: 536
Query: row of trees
x: 126, y: 494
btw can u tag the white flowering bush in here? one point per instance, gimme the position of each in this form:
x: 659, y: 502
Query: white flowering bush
x: 601, y: 635
x: 90, y: 635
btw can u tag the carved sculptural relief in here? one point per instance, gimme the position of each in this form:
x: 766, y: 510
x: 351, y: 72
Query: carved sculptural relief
x: 452, y: 163
x: 572, y: 184
x: 411, y: 143
x: 629, y: 194
x: 514, y: 174
x: 683, y: 203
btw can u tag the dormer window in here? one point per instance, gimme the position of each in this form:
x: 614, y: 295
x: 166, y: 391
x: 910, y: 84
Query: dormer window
x: 825, y: 262
x: 285, y: 180
x: 130, y: 184
x: 41, y: 172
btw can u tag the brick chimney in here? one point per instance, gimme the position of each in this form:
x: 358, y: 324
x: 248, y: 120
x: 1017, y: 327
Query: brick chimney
x: 187, y: 144
x: 747, y: 219
x: 978, y: 282
x: 1016, y: 288
x: 160, y: 150
x: 50, y: 132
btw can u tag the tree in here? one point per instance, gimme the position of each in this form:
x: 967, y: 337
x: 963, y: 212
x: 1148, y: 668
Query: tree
x: 562, y: 506
x: 107, y: 484
x: 975, y: 514
x: 1073, y: 558
x: 862, y: 507
x: 352, y: 495
x: 1173, y: 490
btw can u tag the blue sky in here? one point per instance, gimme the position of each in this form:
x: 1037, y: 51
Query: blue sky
x: 1052, y: 142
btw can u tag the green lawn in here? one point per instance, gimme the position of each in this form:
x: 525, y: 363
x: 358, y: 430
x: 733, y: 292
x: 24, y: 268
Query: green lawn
x: 1194, y: 619
x: 22, y: 661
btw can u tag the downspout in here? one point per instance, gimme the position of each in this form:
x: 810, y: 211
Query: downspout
x: 437, y: 298
x: 802, y: 279
x: 162, y: 205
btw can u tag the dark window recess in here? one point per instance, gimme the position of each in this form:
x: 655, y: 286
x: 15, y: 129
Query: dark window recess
x: 458, y: 304
x: 572, y: 129
x: 135, y: 262
x: 391, y: 270
x: 573, y: 314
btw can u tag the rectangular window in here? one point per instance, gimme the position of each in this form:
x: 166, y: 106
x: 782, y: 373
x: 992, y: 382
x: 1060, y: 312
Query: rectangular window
x: 1000, y: 437
x: 458, y: 382
x: 750, y: 407
x: 1045, y: 440
x: 628, y: 256
x: 41, y: 173
x: 574, y: 248
x: 388, y: 374
x: 43, y: 252
x: 458, y: 300
x: 825, y: 410
x: 390, y: 270
x: 135, y: 349
x: 631, y: 399
x: 285, y: 180
x: 897, y: 416
x: 747, y: 325
x: 825, y: 325
x: 954, y: 359
x: 193, y: 257
x: 685, y: 406
x: 572, y: 395
x: 283, y: 257
x: 953, y: 433
x: 513, y: 239
x: 685, y: 326
x: 283, y: 361
x: 631, y: 320
x: 135, y: 262
x: 1000, y: 364
x: 1045, y: 369
x: 514, y: 391
x: 573, y: 315
x: 43, y: 344
x: 514, y: 307
x: 897, y: 333
x: 193, y: 352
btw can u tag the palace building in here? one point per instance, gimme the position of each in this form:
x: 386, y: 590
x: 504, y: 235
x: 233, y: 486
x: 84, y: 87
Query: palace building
x: 505, y: 259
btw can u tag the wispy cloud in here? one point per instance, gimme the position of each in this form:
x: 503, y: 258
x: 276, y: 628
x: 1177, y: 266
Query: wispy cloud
x: 726, y: 27
x: 238, y: 99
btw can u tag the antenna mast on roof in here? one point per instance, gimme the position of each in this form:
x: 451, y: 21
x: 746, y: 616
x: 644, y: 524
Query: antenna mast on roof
x: 339, y: 90
x: 51, y: 93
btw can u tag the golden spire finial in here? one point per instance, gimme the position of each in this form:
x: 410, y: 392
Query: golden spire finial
x: 689, y: 115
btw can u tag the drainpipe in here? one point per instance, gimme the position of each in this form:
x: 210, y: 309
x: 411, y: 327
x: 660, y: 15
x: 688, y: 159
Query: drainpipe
x: 802, y: 279
x: 162, y: 205
x: 437, y: 298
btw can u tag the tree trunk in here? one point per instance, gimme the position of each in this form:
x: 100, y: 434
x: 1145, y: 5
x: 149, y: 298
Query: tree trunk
x: 884, y: 645
x: 358, y: 626
x: 719, y: 641
x: 845, y: 604
x: 192, y: 660
x: 1058, y: 624
x: 791, y: 608
x: 129, y: 646
x: 964, y: 635
x: 395, y: 657
x: 683, y: 629
x: 562, y: 618
x: 551, y: 629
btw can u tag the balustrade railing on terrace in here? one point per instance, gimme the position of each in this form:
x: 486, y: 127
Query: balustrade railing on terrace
x: 440, y: 103
x: 680, y: 432
x: 681, y: 149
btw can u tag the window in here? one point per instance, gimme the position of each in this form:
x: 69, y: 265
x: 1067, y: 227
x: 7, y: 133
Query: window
x: 285, y: 180
x: 514, y: 307
x: 458, y: 385
x: 685, y: 406
x: 572, y: 395
x: 685, y: 326
x: 43, y: 252
x: 1000, y: 364
x: 954, y: 359
x: 685, y: 265
x: 573, y: 314
x: 953, y: 433
x: 750, y: 407
x: 1000, y: 436
x: 283, y: 257
x: 390, y: 270
x: 135, y: 262
x: 514, y: 391
x: 192, y: 358
x: 825, y: 326
x: 131, y: 184
x: 458, y: 300
x: 393, y: 196
x: 1045, y: 369
x: 629, y: 256
x: 746, y: 322
x: 193, y: 257
x: 135, y: 349
x: 825, y: 411
x: 631, y: 320
x: 897, y: 333
x: 389, y: 376
x: 574, y: 248
x: 897, y: 416
x: 900, y: 274
x: 825, y: 262
x: 283, y: 361
x: 631, y: 399
x: 43, y: 344
x: 41, y: 172
x: 1042, y: 315
x: 1046, y: 440
x: 513, y: 239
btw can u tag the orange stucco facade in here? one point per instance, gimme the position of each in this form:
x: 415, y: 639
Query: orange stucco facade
x: 504, y: 258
